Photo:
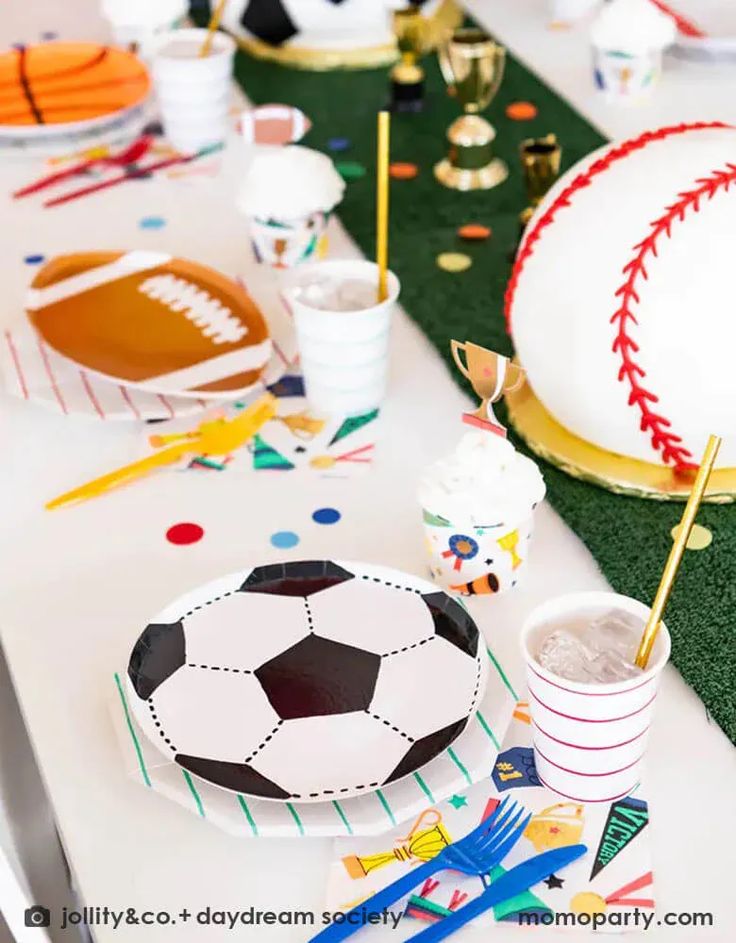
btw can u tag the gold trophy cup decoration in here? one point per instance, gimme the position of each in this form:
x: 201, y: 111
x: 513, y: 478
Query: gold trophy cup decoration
x: 540, y: 163
x: 492, y: 376
x: 472, y: 65
x: 407, y: 76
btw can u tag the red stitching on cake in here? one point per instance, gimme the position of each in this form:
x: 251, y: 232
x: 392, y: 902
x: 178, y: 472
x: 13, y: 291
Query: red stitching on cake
x: 584, y: 179
x: 662, y: 438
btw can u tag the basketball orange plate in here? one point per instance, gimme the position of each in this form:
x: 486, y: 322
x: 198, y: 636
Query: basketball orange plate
x: 148, y: 320
x: 61, y: 87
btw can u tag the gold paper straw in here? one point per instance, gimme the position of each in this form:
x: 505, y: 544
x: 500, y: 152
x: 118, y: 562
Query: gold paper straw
x: 384, y: 125
x: 678, y: 548
x: 212, y: 26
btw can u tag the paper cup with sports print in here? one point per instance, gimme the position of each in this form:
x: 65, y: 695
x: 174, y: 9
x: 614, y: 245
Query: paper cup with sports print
x: 478, y: 514
x: 287, y: 196
x: 193, y: 91
x: 343, y: 333
x: 590, y: 737
x: 628, y: 39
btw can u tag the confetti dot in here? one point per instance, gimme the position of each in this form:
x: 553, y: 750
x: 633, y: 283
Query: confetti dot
x: 454, y: 261
x: 152, y: 222
x: 284, y: 539
x: 350, y: 169
x: 521, y: 111
x: 700, y: 537
x: 474, y: 232
x: 400, y: 170
x: 326, y: 516
x: 34, y: 259
x: 338, y: 144
x: 184, y: 533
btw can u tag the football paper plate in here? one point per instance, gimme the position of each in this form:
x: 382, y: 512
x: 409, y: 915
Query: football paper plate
x: 307, y: 681
x: 148, y: 320
x: 62, y: 87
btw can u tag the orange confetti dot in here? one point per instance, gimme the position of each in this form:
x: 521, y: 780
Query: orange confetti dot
x: 521, y: 111
x: 403, y: 171
x: 474, y: 231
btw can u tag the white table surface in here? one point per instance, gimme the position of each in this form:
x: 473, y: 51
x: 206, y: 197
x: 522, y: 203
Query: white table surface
x: 80, y: 583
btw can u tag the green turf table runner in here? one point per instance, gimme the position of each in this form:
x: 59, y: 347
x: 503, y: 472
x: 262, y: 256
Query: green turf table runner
x: 629, y: 538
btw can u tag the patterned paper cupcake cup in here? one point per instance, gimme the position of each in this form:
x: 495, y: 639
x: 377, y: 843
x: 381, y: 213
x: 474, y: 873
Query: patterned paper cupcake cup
x: 477, y: 559
x: 624, y: 76
x: 283, y: 243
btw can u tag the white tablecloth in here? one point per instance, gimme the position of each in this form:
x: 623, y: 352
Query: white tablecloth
x: 80, y: 583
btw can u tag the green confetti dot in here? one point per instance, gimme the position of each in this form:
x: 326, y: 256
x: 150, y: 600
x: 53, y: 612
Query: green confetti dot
x: 350, y: 169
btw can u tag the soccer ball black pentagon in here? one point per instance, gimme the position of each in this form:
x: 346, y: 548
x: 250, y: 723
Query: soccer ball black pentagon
x: 308, y: 680
x: 314, y: 23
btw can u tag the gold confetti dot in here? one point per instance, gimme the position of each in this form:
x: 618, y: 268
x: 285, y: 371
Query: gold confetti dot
x: 700, y: 537
x: 322, y: 461
x: 587, y: 902
x: 454, y: 261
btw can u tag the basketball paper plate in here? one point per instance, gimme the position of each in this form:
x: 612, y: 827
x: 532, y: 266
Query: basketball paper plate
x: 61, y: 87
x: 307, y: 681
x: 149, y: 320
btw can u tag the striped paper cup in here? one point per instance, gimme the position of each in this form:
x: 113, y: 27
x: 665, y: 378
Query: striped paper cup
x: 344, y: 354
x: 589, y: 739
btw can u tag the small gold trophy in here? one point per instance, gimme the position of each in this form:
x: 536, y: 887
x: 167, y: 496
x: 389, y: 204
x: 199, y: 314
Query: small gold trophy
x: 472, y: 65
x: 540, y: 162
x: 407, y: 76
x: 492, y: 376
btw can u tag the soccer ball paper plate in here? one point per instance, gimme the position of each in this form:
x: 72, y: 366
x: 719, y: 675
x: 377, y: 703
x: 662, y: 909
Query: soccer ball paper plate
x: 334, y: 694
x: 151, y: 321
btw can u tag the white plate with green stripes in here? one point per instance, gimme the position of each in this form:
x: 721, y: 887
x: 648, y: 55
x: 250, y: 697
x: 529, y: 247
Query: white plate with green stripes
x: 467, y: 761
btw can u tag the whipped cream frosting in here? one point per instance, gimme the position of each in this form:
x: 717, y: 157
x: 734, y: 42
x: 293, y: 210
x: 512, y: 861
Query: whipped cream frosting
x: 485, y: 481
x: 633, y: 26
x: 288, y: 183
x: 151, y: 13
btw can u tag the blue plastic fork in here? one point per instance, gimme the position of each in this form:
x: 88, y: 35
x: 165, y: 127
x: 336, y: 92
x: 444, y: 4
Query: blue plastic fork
x: 476, y: 854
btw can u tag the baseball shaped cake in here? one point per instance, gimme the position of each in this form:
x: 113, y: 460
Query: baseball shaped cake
x: 620, y: 303
x: 147, y: 319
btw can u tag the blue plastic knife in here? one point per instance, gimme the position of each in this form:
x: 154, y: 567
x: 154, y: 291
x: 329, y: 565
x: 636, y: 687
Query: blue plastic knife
x: 515, y: 881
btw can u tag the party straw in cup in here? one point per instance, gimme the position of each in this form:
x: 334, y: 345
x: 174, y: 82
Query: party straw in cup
x: 211, y: 28
x: 384, y: 126
x: 678, y: 548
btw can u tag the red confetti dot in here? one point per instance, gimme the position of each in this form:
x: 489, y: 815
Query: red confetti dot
x: 184, y: 533
x: 521, y: 111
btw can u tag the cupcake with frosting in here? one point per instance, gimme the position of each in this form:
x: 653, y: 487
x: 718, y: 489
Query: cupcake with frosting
x: 477, y: 506
x: 287, y: 196
x: 629, y: 38
x: 136, y: 23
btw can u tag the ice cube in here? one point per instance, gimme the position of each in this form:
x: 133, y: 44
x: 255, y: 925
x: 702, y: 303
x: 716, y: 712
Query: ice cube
x: 349, y: 295
x: 565, y: 655
x: 602, y: 653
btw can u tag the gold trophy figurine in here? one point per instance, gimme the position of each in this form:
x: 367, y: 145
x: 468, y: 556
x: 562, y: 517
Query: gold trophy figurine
x: 472, y: 65
x: 407, y: 76
x: 540, y: 162
x: 492, y: 376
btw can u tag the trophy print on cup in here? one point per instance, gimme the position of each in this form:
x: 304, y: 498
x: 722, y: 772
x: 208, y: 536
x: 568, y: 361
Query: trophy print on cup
x: 492, y: 376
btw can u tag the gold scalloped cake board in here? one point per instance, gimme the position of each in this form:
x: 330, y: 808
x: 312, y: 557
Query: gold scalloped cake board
x: 445, y: 18
x: 581, y: 459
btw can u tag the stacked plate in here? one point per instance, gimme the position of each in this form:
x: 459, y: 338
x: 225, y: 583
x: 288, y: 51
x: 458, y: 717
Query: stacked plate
x: 60, y: 94
x: 144, y: 335
x: 311, y: 697
x: 706, y: 29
